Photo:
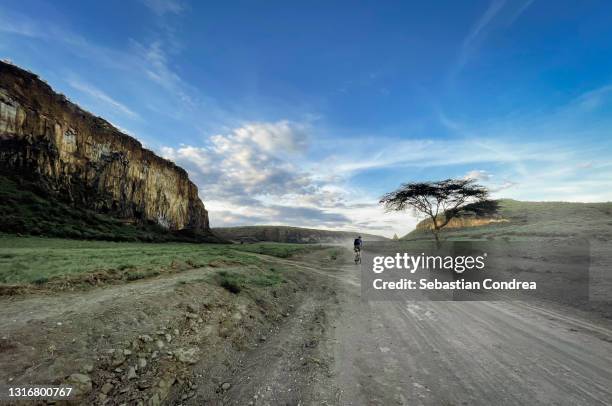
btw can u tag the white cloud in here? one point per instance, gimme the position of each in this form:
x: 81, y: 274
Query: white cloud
x: 478, y: 175
x: 250, y: 160
x: 257, y: 174
x: 98, y: 94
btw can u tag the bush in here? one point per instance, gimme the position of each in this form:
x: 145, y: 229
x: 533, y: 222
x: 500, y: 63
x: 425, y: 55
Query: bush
x: 229, y: 282
x: 134, y: 276
x: 41, y: 280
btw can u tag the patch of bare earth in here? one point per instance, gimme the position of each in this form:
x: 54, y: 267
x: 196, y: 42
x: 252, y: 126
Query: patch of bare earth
x: 173, y: 339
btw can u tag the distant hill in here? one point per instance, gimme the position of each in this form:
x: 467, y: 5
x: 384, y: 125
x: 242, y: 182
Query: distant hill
x: 290, y: 234
x: 518, y: 219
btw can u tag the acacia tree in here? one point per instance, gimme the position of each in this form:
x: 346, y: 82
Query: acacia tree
x: 439, y: 201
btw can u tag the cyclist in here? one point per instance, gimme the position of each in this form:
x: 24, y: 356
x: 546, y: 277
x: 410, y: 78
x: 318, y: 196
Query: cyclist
x: 357, y: 244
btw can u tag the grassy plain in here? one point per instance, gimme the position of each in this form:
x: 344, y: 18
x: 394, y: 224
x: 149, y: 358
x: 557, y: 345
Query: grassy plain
x: 38, y: 260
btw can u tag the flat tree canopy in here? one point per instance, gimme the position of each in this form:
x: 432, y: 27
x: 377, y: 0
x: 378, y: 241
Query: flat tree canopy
x: 441, y: 201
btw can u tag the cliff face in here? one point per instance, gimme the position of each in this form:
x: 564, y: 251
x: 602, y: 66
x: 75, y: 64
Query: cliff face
x: 87, y: 161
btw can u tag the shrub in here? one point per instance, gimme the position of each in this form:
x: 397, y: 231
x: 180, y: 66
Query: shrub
x: 41, y: 280
x: 229, y: 282
x: 133, y: 276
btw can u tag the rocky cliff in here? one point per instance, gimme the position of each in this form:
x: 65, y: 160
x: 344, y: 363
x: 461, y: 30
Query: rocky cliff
x: 461, y: 222
x: 86, y: 161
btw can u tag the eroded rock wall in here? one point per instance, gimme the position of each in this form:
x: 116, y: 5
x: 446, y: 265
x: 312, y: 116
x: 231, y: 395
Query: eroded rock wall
x: 86, y: 160
x: 461, y: 222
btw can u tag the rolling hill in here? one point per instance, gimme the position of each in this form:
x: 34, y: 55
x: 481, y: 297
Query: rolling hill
x: 289, y: 234
x: 519, y: 220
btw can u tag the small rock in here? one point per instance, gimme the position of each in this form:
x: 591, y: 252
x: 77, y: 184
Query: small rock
x: 127, y: 352
x: 159, y: 344
x: 263, y: 338
x: 87, y: 368
x: 102, y: 397
x: 187, y: 395
x: 226, y: 386
x: 154, y: 400
x: 192, y: 308
x: 142, y: 362
x: 107, y: 387
x: 187, y: 355
x: 144, y: 385
x: 155, y: 354
x: 124, y: 389
x: 190, y: 315
x: 118, y: 359
x: 175, y: 331
x: 132, y: 373
x: 118, y: 370
x: 146, y: 338
x: 168, y: 337
x: 81, y: 383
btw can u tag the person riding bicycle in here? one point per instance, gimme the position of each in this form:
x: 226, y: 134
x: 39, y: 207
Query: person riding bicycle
x: 358, y: 243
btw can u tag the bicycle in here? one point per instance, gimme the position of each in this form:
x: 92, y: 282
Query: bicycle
x: 357, y: 256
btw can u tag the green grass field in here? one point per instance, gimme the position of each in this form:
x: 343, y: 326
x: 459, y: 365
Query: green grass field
x: 38, y: 259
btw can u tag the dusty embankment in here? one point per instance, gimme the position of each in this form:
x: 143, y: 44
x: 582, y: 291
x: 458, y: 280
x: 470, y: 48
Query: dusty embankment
x: 168, y: 339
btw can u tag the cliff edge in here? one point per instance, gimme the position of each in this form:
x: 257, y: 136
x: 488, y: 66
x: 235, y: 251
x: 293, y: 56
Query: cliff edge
x: 85, y: 161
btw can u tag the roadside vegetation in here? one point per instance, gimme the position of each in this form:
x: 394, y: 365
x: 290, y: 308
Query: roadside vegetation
x: 37, y: 260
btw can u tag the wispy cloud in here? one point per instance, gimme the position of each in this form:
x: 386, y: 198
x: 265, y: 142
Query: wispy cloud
x: 99, y: 95
x: 148, y: 60
x: 478, y: 31
x: 483, y: 22
x: 497, y: 10
x: 426, y: 153
x: 594, y: 98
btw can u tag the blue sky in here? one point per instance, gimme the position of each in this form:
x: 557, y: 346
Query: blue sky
x: 305, y: 114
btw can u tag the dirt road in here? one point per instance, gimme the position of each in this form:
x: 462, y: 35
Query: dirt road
x: 429, y: 353
x: 312, y: 341
x: 467, y: 353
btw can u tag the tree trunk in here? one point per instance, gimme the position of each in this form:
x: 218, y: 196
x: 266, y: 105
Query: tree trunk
x: 437, y: 237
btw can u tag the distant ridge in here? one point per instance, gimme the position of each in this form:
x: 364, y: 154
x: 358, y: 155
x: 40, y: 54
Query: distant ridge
x: 520, y: 219
x: 290, y: 234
